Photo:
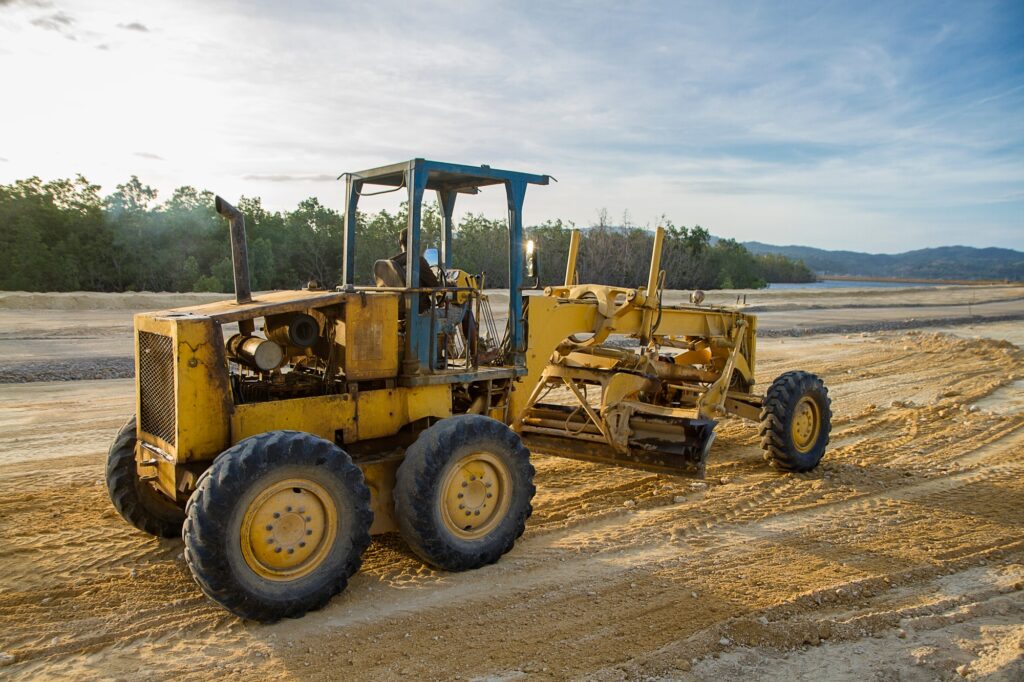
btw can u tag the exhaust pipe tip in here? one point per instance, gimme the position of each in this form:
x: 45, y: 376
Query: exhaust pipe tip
x: 224, y: 208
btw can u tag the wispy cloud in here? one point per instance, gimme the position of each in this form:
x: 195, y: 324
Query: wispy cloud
x: 134, y: 26
x: 58, y: 21
x: 149, y: 155
x: 30, y: 3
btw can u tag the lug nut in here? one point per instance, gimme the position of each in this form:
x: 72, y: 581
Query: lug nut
x: 464, y: 484
x: 460, y: 496
x: 269, y: 527
x: 477, y: 512
x: 462, y: 506
x: 490, y: 494
x: 302, y: 544
x: 287, y: 509
x: 277, y: 515
x: 309, y: 518
x: 277, y: 549
x: 291, y: 550
x: 309, y: 531
x: 467, y: 512
x: 472, y: 478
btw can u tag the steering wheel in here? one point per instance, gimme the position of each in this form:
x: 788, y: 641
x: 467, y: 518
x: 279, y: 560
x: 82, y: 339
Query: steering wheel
x: 440, y: 274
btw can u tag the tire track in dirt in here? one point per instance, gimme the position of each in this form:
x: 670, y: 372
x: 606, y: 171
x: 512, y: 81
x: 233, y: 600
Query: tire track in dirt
x: 898, y: 619
x: 775, y: 515
x: 904, y: 495
x: 620, y: 536
x: 631, y: 567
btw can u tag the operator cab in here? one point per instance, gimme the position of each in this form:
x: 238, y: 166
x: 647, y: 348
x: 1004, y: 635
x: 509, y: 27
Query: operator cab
x: 446, y: 328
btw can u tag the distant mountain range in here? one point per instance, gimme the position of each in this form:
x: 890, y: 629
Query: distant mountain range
x: 944, y: 262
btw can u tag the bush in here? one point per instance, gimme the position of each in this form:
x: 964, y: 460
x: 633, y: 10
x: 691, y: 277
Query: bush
x: 208, y: 283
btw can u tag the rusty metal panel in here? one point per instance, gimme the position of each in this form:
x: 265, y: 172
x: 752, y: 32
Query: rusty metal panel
x: 369, y: 334
x: 182, y: 395
x: 203, y: 391
x: 380, y: 413
x: 380, y: 479
x: 321, y: 416
x: 383, y: 412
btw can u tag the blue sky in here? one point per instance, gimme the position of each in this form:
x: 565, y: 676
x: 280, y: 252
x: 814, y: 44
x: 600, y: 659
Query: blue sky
x: 869, y: 126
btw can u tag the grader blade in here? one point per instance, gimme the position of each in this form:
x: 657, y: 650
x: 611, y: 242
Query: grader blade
x: 650, y: 442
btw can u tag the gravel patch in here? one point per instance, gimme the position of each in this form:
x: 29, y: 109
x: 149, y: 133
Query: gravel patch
x: 892, y: 325
x: 112, y: 367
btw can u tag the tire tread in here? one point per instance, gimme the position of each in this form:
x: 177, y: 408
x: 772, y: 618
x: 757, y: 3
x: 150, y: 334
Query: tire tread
x: 211, y: 505
x: 420, y: 472
x: 778, y: 403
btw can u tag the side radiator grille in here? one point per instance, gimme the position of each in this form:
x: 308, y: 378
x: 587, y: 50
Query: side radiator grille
x: 156, y: 386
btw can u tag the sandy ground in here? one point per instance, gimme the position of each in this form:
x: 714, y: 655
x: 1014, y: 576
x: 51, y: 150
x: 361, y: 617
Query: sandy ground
x: 900, y: 558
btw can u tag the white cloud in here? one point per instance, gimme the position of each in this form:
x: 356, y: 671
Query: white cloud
x: 877, y: 127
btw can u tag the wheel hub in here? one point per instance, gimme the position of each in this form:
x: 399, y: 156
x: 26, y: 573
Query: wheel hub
x: 288, y: 529
x: 475, y: 495
x: 805, y: 424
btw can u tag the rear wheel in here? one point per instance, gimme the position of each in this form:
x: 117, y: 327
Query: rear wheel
x: 277, y: 525
x: 463, y: 492
x: 137, y: 501
x: 795, y: 421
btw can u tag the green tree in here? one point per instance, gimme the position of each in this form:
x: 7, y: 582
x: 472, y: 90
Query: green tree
x: 62, y: 235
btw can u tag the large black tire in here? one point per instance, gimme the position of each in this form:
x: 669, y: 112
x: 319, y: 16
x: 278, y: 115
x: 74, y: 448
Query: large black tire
x: 138, y: 502
x: 796, y: 420
x: 444, y: 457
x: 232, y: 496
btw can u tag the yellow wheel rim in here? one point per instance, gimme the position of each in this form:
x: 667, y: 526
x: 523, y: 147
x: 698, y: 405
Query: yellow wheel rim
x: 475, y: 495
x: 288, y: 529
x: 805, y: 425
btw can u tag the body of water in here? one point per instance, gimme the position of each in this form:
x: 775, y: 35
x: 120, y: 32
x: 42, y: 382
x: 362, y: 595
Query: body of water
x: 846, y: 284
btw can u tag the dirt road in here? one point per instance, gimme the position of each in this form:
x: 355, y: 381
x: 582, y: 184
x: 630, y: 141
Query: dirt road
x: 900, y: 557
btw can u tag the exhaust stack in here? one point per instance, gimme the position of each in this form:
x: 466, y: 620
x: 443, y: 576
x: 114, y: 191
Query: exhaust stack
x: 239, y: 250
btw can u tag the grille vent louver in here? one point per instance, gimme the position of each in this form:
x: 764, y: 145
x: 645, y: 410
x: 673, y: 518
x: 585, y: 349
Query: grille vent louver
x: 156, y: 386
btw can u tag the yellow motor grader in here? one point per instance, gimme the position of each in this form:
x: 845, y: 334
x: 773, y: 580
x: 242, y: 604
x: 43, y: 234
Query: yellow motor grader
x: 276, y: 433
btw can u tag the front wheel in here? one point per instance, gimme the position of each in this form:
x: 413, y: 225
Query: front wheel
x: 795, y: 421
x: 463, y: 493
x: 136, y: 500
x: 277, y: 525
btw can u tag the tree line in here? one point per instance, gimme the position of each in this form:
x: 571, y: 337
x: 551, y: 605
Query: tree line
x: 64, y: 235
